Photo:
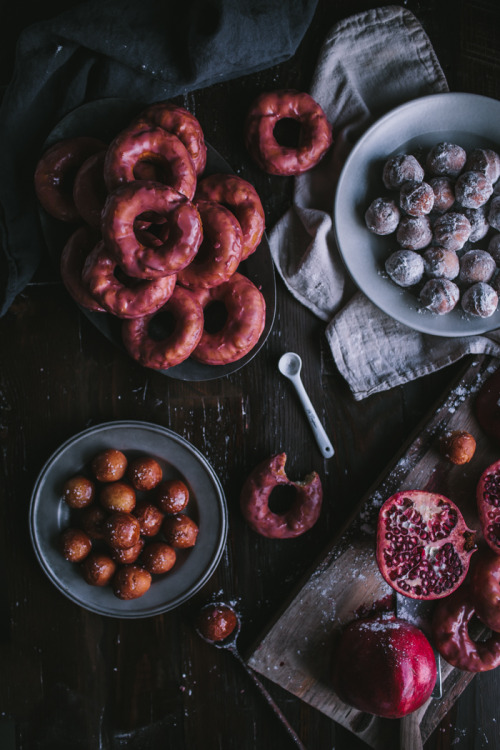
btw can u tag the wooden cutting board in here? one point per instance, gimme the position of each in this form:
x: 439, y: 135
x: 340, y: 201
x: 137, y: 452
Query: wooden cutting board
x: 295, y: 651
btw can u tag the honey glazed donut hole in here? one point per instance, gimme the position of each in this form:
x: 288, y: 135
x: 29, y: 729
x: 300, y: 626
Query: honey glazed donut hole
x: 180, y: 531
x: 109, y: 465
x: 446, y: 159
x: 158, y: 557
x: 92, y: 521
x: 78, y: 491
x: 118, y: 496
x: 473, y: 189
x: 440, y: 263
x: 128, y: 555
x: 150, y: 517
x: 476, y: 265
x: 452, y: 230
x: 172, y: 496
x: 480, y: 300
x: 400, y: 169
x: 121, y: 530
x: 98, y: 569
x: 75, y: 544
x: 444, y: 193
x: 439, y: 296
x: 484, y: 160
x: 382, y: 216
x: 144, y: 473
x: 416, y: 198
x: 405, y: 267
x: 216, y: 622
x: 414, y: 232
x: 131, y: 582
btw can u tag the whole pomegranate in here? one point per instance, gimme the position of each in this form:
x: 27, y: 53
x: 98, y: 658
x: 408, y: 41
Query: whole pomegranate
x: 423, y: 544
x: 488, y: 505
x: 384, y: 665
x: 485, y: 588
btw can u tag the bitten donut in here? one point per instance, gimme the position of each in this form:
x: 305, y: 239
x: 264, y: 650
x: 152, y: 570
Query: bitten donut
x: 89, y: 189
x: 315, y: 136
x: 256, y: 493
x: 156, y: 147
x: 75, y: 252
x: 246, y: 316
x: 242, y: 199
x: 161, y: 352
x: 55, y: 174
x: 220, y: 251
x: 180, y: 122
x: 451, y: 636
x: 125, y: 298
x: 163, y: 257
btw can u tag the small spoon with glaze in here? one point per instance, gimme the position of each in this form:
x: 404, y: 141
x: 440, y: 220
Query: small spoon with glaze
x: 219, y: 625
x: 290, y: 365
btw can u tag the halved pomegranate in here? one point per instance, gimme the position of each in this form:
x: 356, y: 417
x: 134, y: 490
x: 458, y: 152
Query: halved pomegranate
x: 488, y: 505
x: 423, y: 544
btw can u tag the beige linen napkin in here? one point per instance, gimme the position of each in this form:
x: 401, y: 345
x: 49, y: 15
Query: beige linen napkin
x: 368, y: 64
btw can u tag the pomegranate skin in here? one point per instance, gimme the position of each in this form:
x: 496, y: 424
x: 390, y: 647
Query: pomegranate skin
x: 488, y: 505
x: 384, y: 666
x: 423, y: 544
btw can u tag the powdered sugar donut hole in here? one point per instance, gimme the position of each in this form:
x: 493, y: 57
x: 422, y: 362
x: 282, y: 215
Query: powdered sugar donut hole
x: 444, y: 193
x: 400, y: 169
x: 446, y: 159
x: 416, y: 198
x: 478, y: 222
x: 440, y: 263
x: 494, y: 213
x: 484, y: 160
x: 382, y: 216
x: 473, y: 189
x: 405, y: 267
x: 439, y: 296
x: 452, y: 230
x: 480, y: 300
x: 476, y: 265
x: 414, y: 232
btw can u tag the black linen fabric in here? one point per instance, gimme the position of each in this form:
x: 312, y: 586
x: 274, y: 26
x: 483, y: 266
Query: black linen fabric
x: 146, y: 51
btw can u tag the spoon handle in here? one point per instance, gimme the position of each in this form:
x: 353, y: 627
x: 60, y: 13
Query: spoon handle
x: 322, y: 439
x: 270, y: 700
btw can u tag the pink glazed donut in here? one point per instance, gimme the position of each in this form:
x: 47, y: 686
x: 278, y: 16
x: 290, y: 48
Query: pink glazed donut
x: 315, y: 132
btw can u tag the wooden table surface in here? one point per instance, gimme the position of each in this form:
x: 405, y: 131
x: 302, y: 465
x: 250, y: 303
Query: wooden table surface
x: 74, y: 679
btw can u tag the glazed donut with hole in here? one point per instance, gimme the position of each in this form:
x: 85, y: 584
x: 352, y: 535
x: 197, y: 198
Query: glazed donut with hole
x: 165, y: 350
x: 55, y: 175
x: 75, y: 252
x: 245, y: 308
x: 256, y: 494
x: 450, y: 629
x: 179, y: 121
x: 119, y: 295
x: 180, y: 227
x: 220, y: 251
x: 161, y: 152
x: 240, y: 197
x: 315, y: 134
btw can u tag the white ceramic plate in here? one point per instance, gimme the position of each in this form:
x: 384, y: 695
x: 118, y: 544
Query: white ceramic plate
x: 469, y: 120
x: 49, y: 515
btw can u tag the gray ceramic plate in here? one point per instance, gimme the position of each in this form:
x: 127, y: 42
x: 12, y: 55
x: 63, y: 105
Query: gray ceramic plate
x: 49, y: 515
x: 466, y: 119
x: 103, y: 119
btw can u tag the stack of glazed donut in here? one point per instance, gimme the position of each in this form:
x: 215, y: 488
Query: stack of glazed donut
x: 155, y: 240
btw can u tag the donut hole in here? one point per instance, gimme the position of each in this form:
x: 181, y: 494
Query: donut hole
x: 215, y: 315
x: 151, y: 167
x: 281, y: 498
x: 161, y: 326
x: 287, y: 132
x: 151, y: 229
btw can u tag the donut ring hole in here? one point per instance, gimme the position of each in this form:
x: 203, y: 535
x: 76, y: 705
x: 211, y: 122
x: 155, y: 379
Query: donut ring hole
x: 282, y: 498
x: 125, y: 280
x: 215, y: 316
x: 154, y: 167
x: 162, y: 325
x: 151, y: 229
x: 288, y: 132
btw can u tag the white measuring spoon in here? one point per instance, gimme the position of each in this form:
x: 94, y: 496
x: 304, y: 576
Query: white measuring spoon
x: 290, y: 365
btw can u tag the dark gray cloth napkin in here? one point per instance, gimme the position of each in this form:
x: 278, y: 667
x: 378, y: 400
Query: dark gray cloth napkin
x: 369, y: 63
x: 144, y: 51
